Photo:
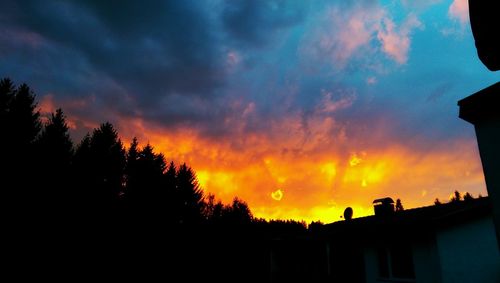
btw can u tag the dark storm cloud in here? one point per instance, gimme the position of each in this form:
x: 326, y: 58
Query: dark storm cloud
x: 203, y: 64
x: 165, y: 61
x: 147, y: 49
x: 255, y: 22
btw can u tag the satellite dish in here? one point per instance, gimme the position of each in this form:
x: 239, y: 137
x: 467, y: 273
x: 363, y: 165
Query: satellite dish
x: 348, y: 213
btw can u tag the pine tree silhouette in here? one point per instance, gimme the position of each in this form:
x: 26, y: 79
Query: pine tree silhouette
x: 7, y: 93
x: 468, y: 197
x: 25, y: 117
x: 399, y: 205
x: 213, y: 210
x: 146, y: 188
x: 191, y: 199
x: 171, y: 194
x: 81, y: 177
x: 238, y: 212
x: 457, y: 197
x: 54, y: 151
x: 108, y: 164
x: 20, y: 125
x: 91, y: 192
x: 131, y: 178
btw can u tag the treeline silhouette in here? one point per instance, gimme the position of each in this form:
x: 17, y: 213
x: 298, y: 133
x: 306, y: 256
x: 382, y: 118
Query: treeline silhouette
x: 457, y: 197
x: 126, y: 211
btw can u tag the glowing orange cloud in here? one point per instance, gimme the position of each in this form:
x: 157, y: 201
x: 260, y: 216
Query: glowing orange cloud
x: 320, y: 180
x: 322, y: 169
x: 48, y: 105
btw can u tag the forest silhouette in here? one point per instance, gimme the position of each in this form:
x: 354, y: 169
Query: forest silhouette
x: 97, y: 208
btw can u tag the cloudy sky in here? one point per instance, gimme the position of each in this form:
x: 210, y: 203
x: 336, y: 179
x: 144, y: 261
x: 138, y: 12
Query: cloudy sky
x: 301, y: 108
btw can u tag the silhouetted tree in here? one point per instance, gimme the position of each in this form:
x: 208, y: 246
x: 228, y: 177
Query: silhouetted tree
x: 171, y: 176
x: 190, y: 201
x: 151, y: 167
x: 287, y: 226
x: 131, y: 168
x: 81, y: 175
x: 54, y: 151
x: 437, y: 202
x: 173, y: 202
x: 26, y: 124
x: 241, y: 210
x: 237, y: 213
x: 212, y: 210
x: 315, y: 226
x: 107, y: 165
x: 399, y: 205
x: 148, y: 192
x: 468, y: 197
x: 456, y: 197
x: 84, y: 184
x: 7, y: 93
x: 20, y: 125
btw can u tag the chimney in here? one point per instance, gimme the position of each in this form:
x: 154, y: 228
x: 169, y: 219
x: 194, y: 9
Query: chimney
x: 482, y: 109
x: 383, y: 206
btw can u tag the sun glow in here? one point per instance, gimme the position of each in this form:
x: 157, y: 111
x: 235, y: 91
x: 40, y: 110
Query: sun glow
x: 320, y: 180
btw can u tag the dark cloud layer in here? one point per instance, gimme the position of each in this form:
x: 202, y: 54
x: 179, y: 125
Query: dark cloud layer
x: 224, y: 68
x: 148, y: 49
x: 254, y: 23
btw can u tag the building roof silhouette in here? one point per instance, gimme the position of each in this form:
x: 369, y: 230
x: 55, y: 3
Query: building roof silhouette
x: 420, y: 219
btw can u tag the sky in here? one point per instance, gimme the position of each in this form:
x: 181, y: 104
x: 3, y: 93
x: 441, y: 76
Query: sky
x: 300, y: 108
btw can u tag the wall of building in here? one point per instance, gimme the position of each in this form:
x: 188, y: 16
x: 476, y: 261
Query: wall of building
x: 488, y: 139
x: 371, y: 265
x: 425, y: 261
x: 469, y: 252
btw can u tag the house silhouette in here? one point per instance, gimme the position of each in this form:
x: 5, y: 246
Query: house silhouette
x: 452, y: 242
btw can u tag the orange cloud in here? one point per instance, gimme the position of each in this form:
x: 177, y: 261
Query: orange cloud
x: 322, y: 164
x: 47, y: 106
x: 319, y: 178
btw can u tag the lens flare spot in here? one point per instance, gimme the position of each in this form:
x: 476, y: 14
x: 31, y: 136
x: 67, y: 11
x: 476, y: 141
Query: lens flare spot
x: 277, y: 195
x: 354, y: 160
x: 364, y: 183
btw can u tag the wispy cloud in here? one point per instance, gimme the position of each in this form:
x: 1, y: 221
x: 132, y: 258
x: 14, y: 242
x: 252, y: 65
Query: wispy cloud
x: 358, y: 33
x: 459, y: 10
x: 396, y: 41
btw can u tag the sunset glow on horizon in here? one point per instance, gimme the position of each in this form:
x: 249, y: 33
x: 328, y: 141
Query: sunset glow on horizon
x: 322, y: 178
x: 299, y: 108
